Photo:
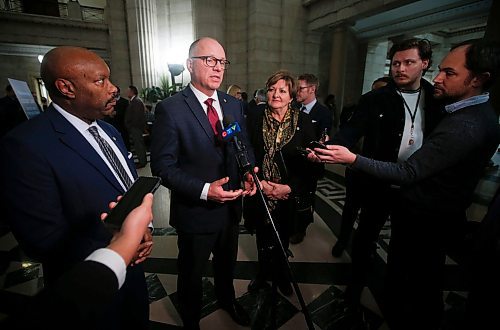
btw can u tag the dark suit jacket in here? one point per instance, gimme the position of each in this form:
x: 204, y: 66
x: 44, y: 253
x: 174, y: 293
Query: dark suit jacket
x: 379, y: 117
x: 121, y: 108
x: 54, y: 187
x: 440, y: 177
x: 300, y: 172
x: 135, y: 116
x: 322, y: 119
x: 185, y: 155
x: 79, y: 297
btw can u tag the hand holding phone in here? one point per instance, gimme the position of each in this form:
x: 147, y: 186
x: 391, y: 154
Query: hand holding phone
x: 130, y: 200
x: 317, y: 144
x: 303, y: 151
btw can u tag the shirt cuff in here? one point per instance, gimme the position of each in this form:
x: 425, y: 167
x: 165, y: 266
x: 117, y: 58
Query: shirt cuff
x: 113, y: 261
x: 204, y: 192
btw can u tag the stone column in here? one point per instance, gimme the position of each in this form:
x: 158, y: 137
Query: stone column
x: 338, y: 63
x: 376, y: 56
x: 143, y: 42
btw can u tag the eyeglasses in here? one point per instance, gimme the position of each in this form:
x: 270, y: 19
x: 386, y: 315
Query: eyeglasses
x: 211, y: 61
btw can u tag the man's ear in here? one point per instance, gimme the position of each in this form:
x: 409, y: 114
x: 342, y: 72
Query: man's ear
x: 65, y: 87
x: 189, y: 65
x: 479, y: 80
x: 425, y: 64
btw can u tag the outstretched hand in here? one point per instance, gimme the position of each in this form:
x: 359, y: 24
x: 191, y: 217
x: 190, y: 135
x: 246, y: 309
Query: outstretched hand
x: 217, y: 193
x: 334, y: 154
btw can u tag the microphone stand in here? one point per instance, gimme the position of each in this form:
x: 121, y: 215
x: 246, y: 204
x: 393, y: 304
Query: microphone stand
x: 246, y: 167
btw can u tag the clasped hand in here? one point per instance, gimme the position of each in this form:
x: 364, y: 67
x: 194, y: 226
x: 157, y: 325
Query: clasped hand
x: 275, y: 191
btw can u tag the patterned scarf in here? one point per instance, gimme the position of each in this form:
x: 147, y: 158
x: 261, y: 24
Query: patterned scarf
x: 276, y: 135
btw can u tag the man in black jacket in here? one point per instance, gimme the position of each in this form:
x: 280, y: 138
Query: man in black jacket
x: 437, y: 184
x: 393, y: 120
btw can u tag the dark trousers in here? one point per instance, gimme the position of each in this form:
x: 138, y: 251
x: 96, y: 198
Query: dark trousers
x: 194, y: 251
x: 271, y: 260
x: 374, y: 213
x: 132, y: 302
x: 129, y: 307
x: 415, y: 265
x: 352, y: 205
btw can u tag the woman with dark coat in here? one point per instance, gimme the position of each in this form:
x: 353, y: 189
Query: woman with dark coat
x: 279, y: 135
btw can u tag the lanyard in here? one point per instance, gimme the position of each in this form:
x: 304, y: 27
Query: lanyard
x: 413, y: 114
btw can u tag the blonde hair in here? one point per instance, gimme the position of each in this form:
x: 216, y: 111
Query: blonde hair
x: 233, y: 90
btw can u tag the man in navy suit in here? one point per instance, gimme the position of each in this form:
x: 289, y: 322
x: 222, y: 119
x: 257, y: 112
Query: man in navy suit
x: 202, y: 173
x: 322, y: 119
x: 56, y: 180
x: 321, y: 116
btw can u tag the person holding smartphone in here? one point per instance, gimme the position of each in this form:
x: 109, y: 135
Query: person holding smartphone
x: 82, y: 294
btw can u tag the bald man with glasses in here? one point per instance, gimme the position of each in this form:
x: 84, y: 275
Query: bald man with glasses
x: 201, y: 171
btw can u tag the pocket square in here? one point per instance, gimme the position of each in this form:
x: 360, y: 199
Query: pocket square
x: 129, y: 155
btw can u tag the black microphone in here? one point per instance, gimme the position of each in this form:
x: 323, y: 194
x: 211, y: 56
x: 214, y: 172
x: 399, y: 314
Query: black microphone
x: 230, y: 133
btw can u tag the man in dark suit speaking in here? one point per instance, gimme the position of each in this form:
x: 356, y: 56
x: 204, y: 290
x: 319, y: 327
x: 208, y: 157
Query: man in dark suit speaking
x: 59, y: 171
x: 202, y: 173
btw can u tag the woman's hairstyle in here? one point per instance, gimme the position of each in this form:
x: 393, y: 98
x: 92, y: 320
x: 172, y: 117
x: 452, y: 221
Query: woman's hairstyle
x: 287, y: 77
x: 233, y: 90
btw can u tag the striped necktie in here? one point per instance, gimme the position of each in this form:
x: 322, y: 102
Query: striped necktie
x: 111, y: 157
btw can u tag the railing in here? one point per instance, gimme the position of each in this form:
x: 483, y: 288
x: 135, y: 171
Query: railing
x: 88, y: 14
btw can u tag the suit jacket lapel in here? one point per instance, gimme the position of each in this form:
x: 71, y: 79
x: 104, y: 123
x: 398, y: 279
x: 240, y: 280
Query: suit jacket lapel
x: 70, y: 136
x: 121, y: 147
x: 201, y: 116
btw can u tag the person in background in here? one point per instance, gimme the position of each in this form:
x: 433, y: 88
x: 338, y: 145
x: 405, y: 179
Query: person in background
x: 234, y: 91
x: 437, y: 184
x: 119, y: 119
x: 322, y: 119
x: 353, y: 188
x: 203, y: 175
x: 380, y: 82
x: 11, y: 113
x: 260, y: 100
x: 276, y: 134
x: 135, y: 123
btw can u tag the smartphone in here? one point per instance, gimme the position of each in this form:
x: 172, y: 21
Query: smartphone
x: 131, y: 199
x: 303, y: 151
x: 316, y: 144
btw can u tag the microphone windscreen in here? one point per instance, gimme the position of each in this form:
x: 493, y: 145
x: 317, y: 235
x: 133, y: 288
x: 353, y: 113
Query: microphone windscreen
x: 228, y: 120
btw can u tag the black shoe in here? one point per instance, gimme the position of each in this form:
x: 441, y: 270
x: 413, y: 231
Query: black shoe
x: 257, y: 284
x: 297, y: 238
x: 337, y: 249
x: 237, y: 313
x: 285, y: 288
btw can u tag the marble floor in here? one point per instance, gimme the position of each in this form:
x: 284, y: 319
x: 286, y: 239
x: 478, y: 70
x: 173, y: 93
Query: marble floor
x: 321, y: 277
